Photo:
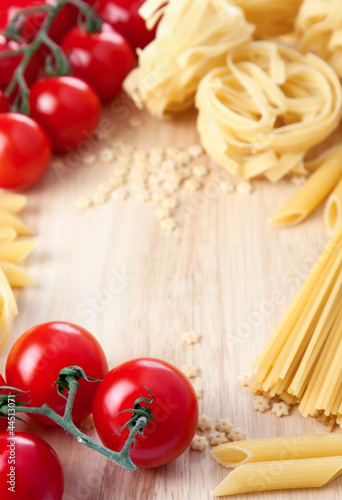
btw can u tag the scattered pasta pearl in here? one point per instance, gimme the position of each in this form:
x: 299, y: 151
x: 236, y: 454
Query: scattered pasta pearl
x: 107, y: 155
x: 237, y: 434
x: 192, y: 185
x: 217, y: 438
x: 168, y: 224
x: 195, y: 150
x: 189, y: 371
x: 199, y: 443
x: 162, y: 213
x: 89, y: 159
x: 245, y: 188
x: 135, y: 122
x: 198, y: 391
x: 200, y: 171
x: 224, y: 425
x: 83, y: 203
x: 119, y: 194
x: 190, y: 338
x: 226, y: 187
x: 280, y: 409
x: 245, y: 380
x: 260, y: 403
x: 204, y: 423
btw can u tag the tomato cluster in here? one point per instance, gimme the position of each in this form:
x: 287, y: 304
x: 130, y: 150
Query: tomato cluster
x: 64, y: 111
x: 33, y: 365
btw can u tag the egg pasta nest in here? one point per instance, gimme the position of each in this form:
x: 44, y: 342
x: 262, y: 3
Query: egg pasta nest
x: 192, y: 38
x: 261, y: 112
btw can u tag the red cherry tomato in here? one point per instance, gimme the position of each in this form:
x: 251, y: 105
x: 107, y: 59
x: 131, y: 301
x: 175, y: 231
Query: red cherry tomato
x: 174, y: 410
x: 25, y: 151
x: 67, y: 108
x: 123, y: 16
x: 102, y: 59
x: 4, y: 102
x: 3, y: 420
x: 29, y: 468
x: 10, y: 64
x: 64, y: 21
x: 38, y: 356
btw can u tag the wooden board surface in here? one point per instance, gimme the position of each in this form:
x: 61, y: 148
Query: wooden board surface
x: 225, y: 273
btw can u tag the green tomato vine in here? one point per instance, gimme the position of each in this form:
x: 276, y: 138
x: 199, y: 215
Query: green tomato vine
x: 57, y: 63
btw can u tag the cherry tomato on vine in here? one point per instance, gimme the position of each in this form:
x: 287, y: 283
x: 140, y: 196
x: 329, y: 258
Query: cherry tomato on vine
x: 38, y: 356
x: 64, y: 21
x: 30, y: 467
x: 174, y: 410
x: 25, y: 151
x: 102, y: 59
x: 4, y: 102
x: 67, y: 108
x: 3, y: 420
x: 123, y: 16
x: 10, y: 64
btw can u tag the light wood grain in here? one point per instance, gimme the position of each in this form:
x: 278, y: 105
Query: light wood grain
x: 215, y: 275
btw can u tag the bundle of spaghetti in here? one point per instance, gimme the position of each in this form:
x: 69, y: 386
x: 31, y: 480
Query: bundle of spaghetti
x: 301, y: 362
x: 325, y: 180
x: 192, y: 38
x: 12, y: 251
x: 261, y: 112
x: 319, y: 25
x: 279, y: 463
x: 270, y: 18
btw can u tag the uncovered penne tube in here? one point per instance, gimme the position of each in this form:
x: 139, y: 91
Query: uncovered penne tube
x: 235, y: 454
x: 7, y: 234
x: 15, y: 275
x: 311, y: 195
x: 16, y: 251
x: 333, y: 209
x: 279, y: 475
x: 8, y: 310
x: 12, y: 202
x: 7, y: 219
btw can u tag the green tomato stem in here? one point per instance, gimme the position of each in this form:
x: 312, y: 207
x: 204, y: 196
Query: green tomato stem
x: 42, y: 38
x: 121, y: 458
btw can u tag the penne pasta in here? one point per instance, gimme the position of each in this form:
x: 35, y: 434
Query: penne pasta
x: 311, y: 195
x: 234, y: 455
x: 333, y: 209
x: 8, y: 310
x: 16, y: 251
x: 278, y: 475
x: 15, y: 275
x: 7, y: 234
x: 7, y: 219
x: 12, y: 202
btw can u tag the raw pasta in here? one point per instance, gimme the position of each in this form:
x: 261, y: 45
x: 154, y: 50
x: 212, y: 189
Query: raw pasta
x: 278, y: 475
x: 192, y: 38
x: 333, y: 209
x: 302, y: 359
x: 262, y: 112
x: 12, y: 251
x: 319, y: 25
x: 311, y: 194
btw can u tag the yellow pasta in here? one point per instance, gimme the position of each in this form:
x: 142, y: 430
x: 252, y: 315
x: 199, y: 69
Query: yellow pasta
x: 12, y: 202
x: 7, y: 219
x: 234, y: 455
x: 15, y: 275
x: 271, y: 17
x: 16, y: 251
x: 8, y: 310
x: 311, y: 194
x: 333, y: 209
x: 267, y: 103
x: 192, y: 38
x: 278, y: 475
x: 302, y: 359
x: 12, y: 251
x: 319, y: 26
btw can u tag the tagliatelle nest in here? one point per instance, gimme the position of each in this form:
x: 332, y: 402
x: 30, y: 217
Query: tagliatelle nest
x: 319, y: 26
x: 261, y: 112
x: 192, y: 38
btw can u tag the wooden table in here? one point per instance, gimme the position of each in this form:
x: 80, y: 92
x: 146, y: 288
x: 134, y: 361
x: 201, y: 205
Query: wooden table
x: 217, y: 274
